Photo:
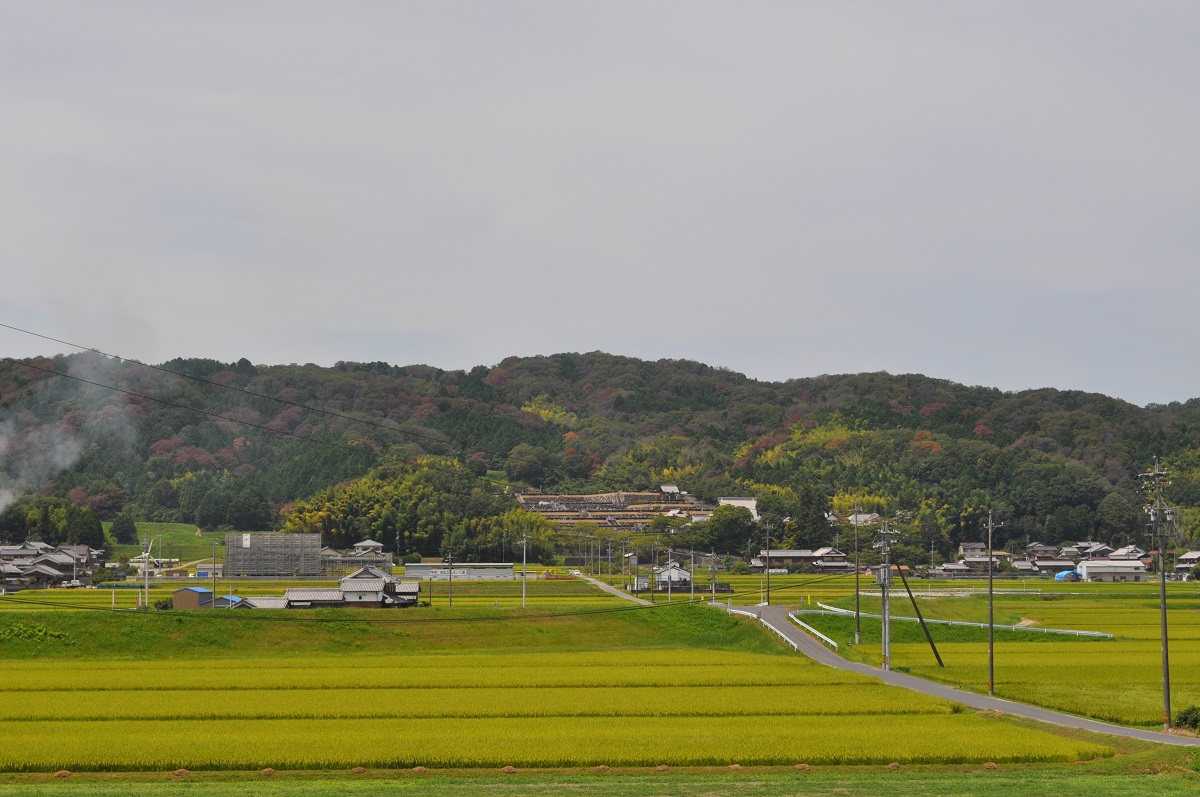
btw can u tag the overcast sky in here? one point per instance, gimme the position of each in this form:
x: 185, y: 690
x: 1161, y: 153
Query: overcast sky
x: 1002, y: 194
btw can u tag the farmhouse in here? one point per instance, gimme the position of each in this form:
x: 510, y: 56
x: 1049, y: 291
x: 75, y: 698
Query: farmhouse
x: 860, y: 519
x: 1086, y: 550
x: 367, y: 553
x: 827, y: 558
x: 1188, y: 561
x: 950, y: 570
x: 366, y: 587
x: 1053, y: 566
x: 202, y: 598
x: 1039, y: 550
x: 972, y: 549
x: 671, y: 574
x: 1112, y: 570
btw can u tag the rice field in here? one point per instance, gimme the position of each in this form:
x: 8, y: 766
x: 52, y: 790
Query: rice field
x: 614, y: 707
x: 1117, y: 680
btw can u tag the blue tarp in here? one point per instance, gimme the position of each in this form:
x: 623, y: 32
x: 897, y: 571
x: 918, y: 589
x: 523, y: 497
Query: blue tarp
x: 1068, y: 575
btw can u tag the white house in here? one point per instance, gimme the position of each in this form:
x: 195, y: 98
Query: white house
x: 1112, y: 570
x: 671, y: 574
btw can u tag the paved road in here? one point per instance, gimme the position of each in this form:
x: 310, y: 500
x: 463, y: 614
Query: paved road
x: 613, y: 590
x: 776, y: 617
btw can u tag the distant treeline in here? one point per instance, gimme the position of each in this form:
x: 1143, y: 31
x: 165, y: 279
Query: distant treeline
x: 1052, y: 465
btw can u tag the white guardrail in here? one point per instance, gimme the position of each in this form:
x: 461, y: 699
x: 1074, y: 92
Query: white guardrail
x: 758, y: 616
x: 1031, y: 628
x: 792, y: 616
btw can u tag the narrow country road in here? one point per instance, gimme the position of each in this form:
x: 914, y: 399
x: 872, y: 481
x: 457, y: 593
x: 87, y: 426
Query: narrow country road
x: 776, y: 618
x: 614, y: 591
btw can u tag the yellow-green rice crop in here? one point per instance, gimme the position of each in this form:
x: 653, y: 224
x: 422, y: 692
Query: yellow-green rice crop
x: 524, y: 742
x: 574, y: 701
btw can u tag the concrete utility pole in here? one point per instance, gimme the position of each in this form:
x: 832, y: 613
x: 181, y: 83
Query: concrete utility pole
x: 450, y: 590
x: 653, y: 565
x: 146, y: 574
x: 991, y: 612
x: 884, y: 543
x: 767, y: 527
x: 214, y: 573
x: 524, y: 570
x: 712, y: 570
x: 857, y: 610
x: 1161, y: 519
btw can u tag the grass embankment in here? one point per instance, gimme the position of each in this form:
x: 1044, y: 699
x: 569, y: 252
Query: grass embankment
x: 681, y: 685
x: 539, y: 594
x: 1171, y: 778
x: 99, y: 635
x: 172, y: 541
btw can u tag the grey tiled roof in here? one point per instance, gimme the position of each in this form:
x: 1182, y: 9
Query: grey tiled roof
x: 309, y: 594
x: 362, y: 584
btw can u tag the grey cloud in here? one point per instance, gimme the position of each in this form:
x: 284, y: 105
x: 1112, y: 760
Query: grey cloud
x: 785, y: 189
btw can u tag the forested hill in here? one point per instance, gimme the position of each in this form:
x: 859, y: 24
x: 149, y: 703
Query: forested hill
x: 1055, y: 464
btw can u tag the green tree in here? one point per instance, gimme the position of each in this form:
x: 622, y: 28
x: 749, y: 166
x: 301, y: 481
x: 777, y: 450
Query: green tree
x: 531, y: 464
x: 123, y: 529
x: 14, y: 523
x: 83, y: 527
x: 731, y: 528
x: 250, y: 511
x: 1117, y: 518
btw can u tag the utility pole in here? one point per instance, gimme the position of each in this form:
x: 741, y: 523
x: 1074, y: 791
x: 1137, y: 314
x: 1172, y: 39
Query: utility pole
x: 1161, y: 518
x: 991, y: 611
x: 524, y: 571
x: 884, y: 543
x: 653, y: 565
x: 712, y: 570
x: 767, y: 528
x: 450, y: 591
x: 692, y: 577
x: 146, y: 574
x: 857, y: 608
x: 214, y: 572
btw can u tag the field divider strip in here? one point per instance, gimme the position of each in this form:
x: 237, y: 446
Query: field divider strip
x: 1067, y: 631
x: 758, y: 616
x: 813, y: 631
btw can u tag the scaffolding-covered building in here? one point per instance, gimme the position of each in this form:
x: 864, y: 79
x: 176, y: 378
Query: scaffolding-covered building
x: 272, y: 554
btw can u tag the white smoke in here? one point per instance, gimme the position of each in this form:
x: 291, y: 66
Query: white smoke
x: 35, y: 448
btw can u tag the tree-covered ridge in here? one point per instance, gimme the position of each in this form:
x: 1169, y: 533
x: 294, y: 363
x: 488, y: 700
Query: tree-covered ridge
x: 1048, y: 461
x: 430, y: 506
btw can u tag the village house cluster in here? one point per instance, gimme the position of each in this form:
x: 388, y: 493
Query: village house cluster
x: 38, y: 564
x: 1084, y: 561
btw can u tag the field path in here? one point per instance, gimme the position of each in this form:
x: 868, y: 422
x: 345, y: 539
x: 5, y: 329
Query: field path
x: 609, y: 588
x: 776, y: 618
